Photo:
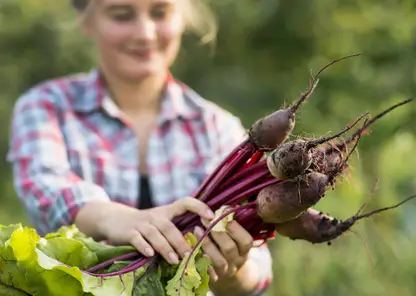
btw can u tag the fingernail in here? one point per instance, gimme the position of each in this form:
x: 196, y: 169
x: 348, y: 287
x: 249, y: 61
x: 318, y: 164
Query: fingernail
x: 210, y: 214
x: 186, y: 254
x: 149, y: 252
x: 173, y: 258
x: 198, y: 231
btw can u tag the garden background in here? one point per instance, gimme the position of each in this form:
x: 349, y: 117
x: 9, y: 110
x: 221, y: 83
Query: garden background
x: 264, y: 56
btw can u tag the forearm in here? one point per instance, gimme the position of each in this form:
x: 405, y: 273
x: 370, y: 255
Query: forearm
x: 244, y: 282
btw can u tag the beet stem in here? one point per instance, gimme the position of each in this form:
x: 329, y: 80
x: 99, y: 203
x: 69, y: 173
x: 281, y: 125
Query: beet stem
x: 129, y: 268
x: 107, y: 263
x: 261, y: 165
x: 229, y: 169
x: 221, y: 165
x: 234, y: 195
x: 253, y: 190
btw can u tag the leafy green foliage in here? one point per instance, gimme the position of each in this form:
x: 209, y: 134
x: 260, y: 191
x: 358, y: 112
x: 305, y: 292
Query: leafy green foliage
x: 195, y: 276
x: 54, y: 264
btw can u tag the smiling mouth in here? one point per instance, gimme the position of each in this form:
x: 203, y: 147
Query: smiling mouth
x: 141, y: 53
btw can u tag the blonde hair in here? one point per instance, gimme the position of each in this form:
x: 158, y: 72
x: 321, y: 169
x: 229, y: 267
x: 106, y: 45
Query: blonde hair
x: 199, y: 17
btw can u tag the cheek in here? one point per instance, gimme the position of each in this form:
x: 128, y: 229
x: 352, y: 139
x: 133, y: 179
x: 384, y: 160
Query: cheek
x: 112, y: 35
x: 170, y: 39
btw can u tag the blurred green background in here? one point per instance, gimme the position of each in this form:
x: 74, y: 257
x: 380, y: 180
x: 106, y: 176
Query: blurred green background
x: 264, y: 56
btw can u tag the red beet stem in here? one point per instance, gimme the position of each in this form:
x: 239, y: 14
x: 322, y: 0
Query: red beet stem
x: 253, y: 190
x: 131, y: 267
x: 254, y: 168
x: 232, y: 196
x: 232, y: 154
x: 227, y: 170
x: 107, y: 263
x: 238, y: 188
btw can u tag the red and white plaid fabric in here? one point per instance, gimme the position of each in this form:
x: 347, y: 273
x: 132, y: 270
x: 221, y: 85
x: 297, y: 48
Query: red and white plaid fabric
x: 69, y: 145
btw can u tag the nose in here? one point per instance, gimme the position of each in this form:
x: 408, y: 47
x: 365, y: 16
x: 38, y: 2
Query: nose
x: 145, y: 29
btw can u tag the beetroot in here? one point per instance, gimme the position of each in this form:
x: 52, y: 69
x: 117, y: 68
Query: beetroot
x: 294, y: 158
x: 316, y: 227
x: 285, y: 201
x: 271, y: 131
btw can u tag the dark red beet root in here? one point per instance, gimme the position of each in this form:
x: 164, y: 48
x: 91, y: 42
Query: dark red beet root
x: 290, y: 160
x: 271, y: 131
x: 309, y: 226
x: 294, y: 158
x: 278, y: 203
x: 315, y: 227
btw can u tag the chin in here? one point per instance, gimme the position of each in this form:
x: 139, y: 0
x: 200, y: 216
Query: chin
x: 140, y: 73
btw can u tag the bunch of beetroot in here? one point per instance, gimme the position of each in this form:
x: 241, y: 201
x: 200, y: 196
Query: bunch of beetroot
x: 271, y: 185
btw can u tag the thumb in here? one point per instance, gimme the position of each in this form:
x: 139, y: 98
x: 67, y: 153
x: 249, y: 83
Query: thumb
x: 190, y: 204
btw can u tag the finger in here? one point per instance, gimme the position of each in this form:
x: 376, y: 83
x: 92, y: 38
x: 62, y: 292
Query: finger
x: 211, y: 271
x: 190, y: 204
x: 159, y: 243
x: 242, y: 237
x: 218, y: 261
x: 227, y: 245
x: 141, y: 244
x: 212, y: 274
x: 173, y: 235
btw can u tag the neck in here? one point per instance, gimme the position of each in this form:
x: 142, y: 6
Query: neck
x: 134, y: 97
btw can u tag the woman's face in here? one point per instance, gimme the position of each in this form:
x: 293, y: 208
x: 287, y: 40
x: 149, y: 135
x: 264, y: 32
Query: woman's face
x: 135, y: 38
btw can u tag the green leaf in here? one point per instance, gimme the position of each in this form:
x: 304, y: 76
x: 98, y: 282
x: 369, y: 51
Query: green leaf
x: 52, y: 265
x: 108, y: 286
x: 221, y: 226
x: 10, y: 291
x: 27, y: 268
x: 68, y: 251
x: 202, y: 265
x: 6, y: 232
x: 102, y: 251
x: 149, y: 283
x: 192, y: 281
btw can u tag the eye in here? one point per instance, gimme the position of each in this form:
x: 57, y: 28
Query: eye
x: 122, y: 14
x: 161, y: 12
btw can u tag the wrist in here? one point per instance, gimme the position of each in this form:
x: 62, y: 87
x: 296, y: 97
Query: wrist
x: 93, y: 217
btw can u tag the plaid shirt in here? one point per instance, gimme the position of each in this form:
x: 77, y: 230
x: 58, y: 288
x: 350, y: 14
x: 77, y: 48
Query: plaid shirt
x: 69, y: 146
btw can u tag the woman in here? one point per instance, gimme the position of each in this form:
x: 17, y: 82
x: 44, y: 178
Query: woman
x: 118, y: 150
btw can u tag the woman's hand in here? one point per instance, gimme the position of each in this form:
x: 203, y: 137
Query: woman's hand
x: 150, y: 230
x: 228, y: 251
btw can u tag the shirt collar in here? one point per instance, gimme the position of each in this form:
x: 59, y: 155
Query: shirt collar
x: 177, y: 100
